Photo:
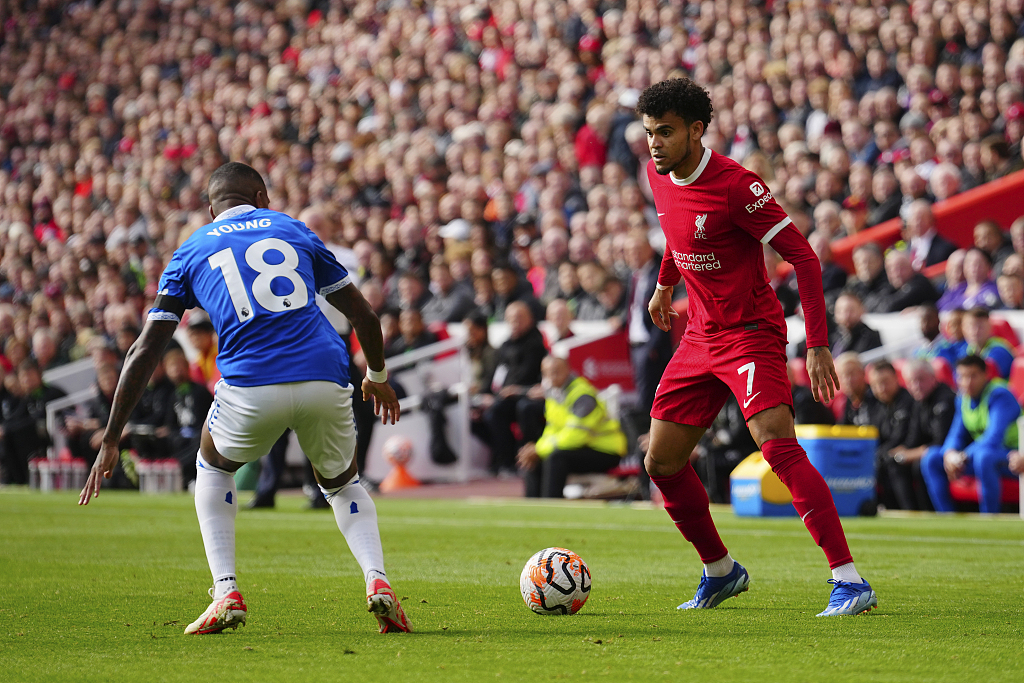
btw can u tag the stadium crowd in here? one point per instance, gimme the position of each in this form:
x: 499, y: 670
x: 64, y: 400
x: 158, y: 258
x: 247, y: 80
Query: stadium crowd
x: 460, y: 156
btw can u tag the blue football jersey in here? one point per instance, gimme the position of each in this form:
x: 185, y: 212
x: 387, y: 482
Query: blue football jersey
x: 255, y: 272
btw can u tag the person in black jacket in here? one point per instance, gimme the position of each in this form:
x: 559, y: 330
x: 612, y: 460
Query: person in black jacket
x: 861, y: 406
x: 871, y: 285
x: 851, y: 334
x: 185, y: 413
x: 930, y: 419
x: 517, y: 370
x: 895, y: 405
x: 910, y: 288
x: 927, y: 247
x: 24, y: 429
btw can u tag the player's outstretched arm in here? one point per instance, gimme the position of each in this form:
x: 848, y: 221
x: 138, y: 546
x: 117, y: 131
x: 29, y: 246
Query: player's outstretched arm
x: 139, y: 364
x: 350, y: 301
x: 661, y: 308
x: 822, y: 372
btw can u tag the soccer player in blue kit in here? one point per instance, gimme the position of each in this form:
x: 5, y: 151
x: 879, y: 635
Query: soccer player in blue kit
x: 255, y: 272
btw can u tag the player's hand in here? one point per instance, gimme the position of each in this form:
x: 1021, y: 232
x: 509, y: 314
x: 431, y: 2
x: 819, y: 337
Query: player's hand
x: 385, y: 402
x: 103, y: 468
x: 661, y: 309
x: 822, y: 372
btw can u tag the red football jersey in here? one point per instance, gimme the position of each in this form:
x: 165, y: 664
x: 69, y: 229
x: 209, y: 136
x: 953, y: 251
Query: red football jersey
x: 715, y: 223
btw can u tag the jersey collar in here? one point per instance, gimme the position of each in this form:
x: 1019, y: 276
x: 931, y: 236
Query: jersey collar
x: 696, y: 173
x: 235, y: 211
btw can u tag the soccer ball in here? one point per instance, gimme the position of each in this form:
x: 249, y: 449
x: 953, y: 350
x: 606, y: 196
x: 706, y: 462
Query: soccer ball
x: 555, y: 581
x: 398, y: 450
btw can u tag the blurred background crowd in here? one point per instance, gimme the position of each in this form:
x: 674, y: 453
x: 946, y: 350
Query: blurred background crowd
x: 459, y: 156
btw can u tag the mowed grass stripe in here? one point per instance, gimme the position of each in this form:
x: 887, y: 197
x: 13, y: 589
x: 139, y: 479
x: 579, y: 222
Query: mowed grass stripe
x: 93, y: 595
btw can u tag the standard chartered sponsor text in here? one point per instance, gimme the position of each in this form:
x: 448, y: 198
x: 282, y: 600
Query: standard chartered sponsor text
x: 685, y: 261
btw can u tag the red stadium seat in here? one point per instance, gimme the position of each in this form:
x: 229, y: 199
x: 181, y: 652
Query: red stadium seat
x: 798, y: 372
x: 966, y: 490
x: 1016, y: 383
x: 1002, y: 328
x: 993, y: 369
x: 943, y: 371
x: 838, y: 406
x: 899, y: 364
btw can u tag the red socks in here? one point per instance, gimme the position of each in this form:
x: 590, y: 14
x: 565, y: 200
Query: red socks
x: 811, y: 497
x: 686, y: 502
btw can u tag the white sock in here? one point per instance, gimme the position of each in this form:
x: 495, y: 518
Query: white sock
x: 356, y: 516
x: 720, y: 567
x: 847, y: 572
x: 216, y: 507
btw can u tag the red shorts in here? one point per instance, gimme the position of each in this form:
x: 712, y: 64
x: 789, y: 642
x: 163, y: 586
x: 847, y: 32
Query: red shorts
x: 749, y: 363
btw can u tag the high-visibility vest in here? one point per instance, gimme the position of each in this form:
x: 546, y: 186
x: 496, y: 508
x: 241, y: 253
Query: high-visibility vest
x: 579, y: 420
x: 976, y: 419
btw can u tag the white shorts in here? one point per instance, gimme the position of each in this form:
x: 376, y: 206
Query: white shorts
x: 246, y: 421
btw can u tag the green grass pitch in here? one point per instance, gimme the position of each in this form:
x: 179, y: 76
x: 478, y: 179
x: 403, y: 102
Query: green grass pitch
x: 103, y: 594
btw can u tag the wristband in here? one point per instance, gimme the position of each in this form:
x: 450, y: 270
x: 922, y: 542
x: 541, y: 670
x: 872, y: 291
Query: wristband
x: 377, y: 376
x: 662, y: 288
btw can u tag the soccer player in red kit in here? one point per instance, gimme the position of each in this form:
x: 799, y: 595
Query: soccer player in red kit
x: 716, y: 216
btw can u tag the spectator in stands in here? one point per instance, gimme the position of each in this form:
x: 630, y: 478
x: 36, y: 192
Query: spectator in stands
x: 892, y: 417
x: 851, y: 333
x: 871, y: 284
x: 451, y: 301
x: 1011, y: 291
x: 560, y: 317
x: 482, y: 356
x: 592, y: 278
x: 413, y: 334
x: 650, y: 347
x: 989, y: 238
x: 954, y: 285
x: 977, y: 328
x: 930, y: 420
x: 579, y: 436
x: 508, y: 288
x: 412, y: 292
x: 983, y: 433
x: 204, y: 340
x: 927, y: 247
x: 517, y: 370
x: 860, y: 405
x: 885, y: 200
x: 950, y: 346
x: 980, y: 290
x: 805, y: 409
x: 185, y: 413
x: 85, y: 433
x: 24, y: 429
x: 910, y: 288
x: 833, y: 277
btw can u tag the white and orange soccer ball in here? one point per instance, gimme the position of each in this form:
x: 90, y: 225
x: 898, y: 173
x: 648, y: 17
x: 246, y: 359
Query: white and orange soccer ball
x: 398, y: 450
x: 555, y: 581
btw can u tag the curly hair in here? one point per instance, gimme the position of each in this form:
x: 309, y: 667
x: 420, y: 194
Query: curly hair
x: 680, y: 96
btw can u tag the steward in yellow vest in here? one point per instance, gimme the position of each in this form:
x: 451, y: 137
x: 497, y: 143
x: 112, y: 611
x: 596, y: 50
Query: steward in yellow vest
x: 579, y: 437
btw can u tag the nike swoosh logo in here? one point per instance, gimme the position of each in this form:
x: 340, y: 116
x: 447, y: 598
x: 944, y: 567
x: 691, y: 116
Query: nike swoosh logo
x: 747, y: 402
x: 661, y: 214
x: 804, y: 516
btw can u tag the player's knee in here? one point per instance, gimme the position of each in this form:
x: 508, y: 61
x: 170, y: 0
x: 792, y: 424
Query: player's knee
x: 988, y: 459
x: 656, y: 468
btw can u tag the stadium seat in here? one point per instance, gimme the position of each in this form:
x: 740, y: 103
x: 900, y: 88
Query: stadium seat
x: 1002, y: 328
x: 943, y: 371
x: 966, y: 489
x: 899, y: 364
x: 798, y: 372
x: 1016, y: 383
x: 838, y: 406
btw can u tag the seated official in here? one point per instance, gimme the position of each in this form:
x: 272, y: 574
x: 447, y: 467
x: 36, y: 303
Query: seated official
x: 930, y: 419
x: 977, y: 330
x: 579, y: 437
x: 983, y: 434
x: 892, y: 417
